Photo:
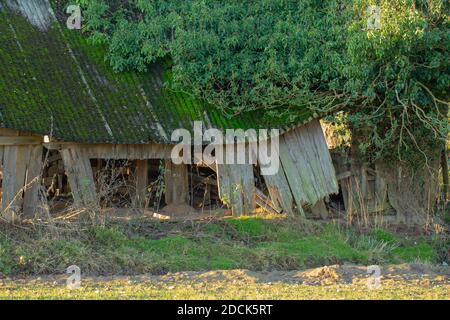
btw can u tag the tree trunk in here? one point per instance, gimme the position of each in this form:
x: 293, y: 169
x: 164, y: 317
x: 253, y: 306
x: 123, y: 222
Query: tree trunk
x: 446, y: 185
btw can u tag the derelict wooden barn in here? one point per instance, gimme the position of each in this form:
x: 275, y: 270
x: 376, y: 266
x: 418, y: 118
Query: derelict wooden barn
x: 62, y: 108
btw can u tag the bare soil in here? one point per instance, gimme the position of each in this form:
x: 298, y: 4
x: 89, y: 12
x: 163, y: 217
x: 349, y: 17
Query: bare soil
x: 405, y: 281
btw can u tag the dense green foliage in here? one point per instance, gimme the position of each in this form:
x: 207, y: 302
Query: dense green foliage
x: 402, y: 72
x: 287, y: 55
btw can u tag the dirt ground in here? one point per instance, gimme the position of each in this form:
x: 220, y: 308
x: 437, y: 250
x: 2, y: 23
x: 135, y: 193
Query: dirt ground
x: 406, y: 281
x: 327, y: 275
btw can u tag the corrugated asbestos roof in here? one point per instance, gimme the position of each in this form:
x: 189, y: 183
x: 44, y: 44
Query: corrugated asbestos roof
x: 52, y: 82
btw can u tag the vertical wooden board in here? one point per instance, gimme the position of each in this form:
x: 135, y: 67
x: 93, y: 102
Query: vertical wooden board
x: 80, y: 176
x: 224, y: 183
x: 324, y: 156
x: 14, y: 171
x: 364, y: 182
x: 313, y: 157
x: 248, y: 187
x: 8, y: 172
x: 278, y: 187
x: 141, y: 177
x: 299, y: 151
x: 237, y: 187
x: 280, y: 192
x: 292, y: 175
x: 2, y: 150
x: 9, y: 175
x: 331, y: 183
x: 23, y: 154
x: 177, y: 183
x: 345, y: 188
x: 71, y: 173
x: 237, y: 201
x: 33, y: 181
x: 380, y: 189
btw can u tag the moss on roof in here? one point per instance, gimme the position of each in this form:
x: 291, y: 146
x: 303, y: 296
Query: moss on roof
x: 53, y: 82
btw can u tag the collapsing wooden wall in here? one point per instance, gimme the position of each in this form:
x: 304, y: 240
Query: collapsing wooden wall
x: 21, y: 163
x: 305, y: 177
x: 382, y: 189
x: 76, y: 158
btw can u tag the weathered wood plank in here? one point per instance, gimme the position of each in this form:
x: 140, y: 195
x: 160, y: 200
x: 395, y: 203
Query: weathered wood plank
x: 177, y: 183
x: 237, y: 187
x: 2, y: 150
x: 141, y: 177
x: 314, y: 156
x: 278, y: 186
x: 119, y: 151
x: 293, y: 177
x: 381, y: 190
x: 9, y: 132
x: 299, y: 151
x: 248, y: 187
x: 224, y: 184
x: 80, y: 176
x: 237, y: 190
x: 266, y: 203
x: 20, y: 141
x: 307, y: 164
x: 324, y: 156
x: 33, y: 181
x: 14, y: 172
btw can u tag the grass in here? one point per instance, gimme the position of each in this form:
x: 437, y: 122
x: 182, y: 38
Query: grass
x: 142, y: 246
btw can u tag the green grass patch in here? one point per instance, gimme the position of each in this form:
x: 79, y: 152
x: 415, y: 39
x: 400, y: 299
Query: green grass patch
x: 249, y: 227
x: 385, y: 236
x: 142, y: 246
x: 420, y: 251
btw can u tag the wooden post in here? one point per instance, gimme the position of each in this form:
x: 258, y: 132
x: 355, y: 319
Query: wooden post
x: 21, y: 159
x: 33, y: 181
x: 445, y: 179
x: 177, y: 183
x: 14, y: 171
x: 80, y: 176
x: 141, y: 177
